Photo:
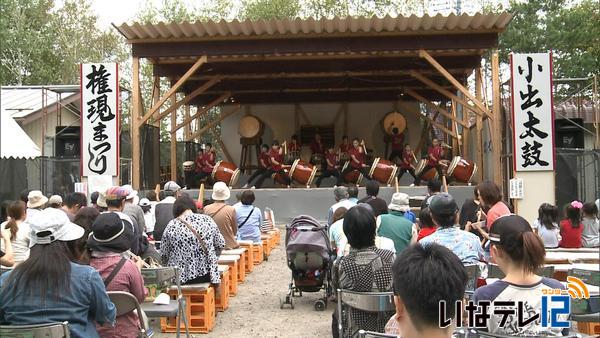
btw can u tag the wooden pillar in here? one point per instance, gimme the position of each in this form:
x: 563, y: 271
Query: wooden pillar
x: 135, y: 126
x: 479, y: 128
x: 186, y: 129
x: 496, y: 122
x: 174, y: 140
x: 156, y: 96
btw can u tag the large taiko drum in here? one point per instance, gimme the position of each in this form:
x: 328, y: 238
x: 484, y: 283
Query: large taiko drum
x: 250, y: 126
x: 430, y: 174
x: 354, y: 176
x: 383, y: 171
x: 462, y: 169
x: 278, y: 178
x: 226, y: 172
x: 393, y: 120
x: 303, y: 172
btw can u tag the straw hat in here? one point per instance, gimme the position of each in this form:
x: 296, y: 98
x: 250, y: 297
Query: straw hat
x: 400, y: 202
x: 36, y: 199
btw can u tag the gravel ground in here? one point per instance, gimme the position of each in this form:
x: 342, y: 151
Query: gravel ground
x: 255, y: 312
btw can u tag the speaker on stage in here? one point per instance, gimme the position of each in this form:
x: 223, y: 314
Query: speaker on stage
x: 67, y: 142
x: 568, y: 135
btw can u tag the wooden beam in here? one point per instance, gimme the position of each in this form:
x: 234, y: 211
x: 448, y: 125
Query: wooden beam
x: 135, y: 129
x: 211, y: 124
x: 224, y: 149
x: 435, y: 123
x: 189, y: 97
x: 430, y: 105
x: 451, y: 79
x: 173, y: 89
x: 458, y: 142
x: 424, y: 132
x: 187, y: 131
x: 155, y: 94
x: 479, y: 128
x: 497, y: 122
x: 173, y: 147
x: 200, y: 112
x: 448, y: 94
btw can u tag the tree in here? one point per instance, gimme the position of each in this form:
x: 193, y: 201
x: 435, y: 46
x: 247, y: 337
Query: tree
x: 270, y: 9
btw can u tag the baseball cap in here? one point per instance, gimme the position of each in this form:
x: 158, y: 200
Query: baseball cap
x: 51, y: 225
x: 144, y: 202
x: 443, y: 204
x: 172, y: 186
x: 507, y: 228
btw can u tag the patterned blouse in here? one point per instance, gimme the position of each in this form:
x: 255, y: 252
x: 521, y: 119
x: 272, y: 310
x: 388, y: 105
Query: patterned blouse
x: 464, y: 244
x: 180, y: 247
x: 364, y: 270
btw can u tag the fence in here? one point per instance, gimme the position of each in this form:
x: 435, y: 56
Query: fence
x: 577, y: 175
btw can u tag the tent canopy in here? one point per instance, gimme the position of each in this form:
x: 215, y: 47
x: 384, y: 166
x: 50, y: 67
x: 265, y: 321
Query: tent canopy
x: 14, y: 142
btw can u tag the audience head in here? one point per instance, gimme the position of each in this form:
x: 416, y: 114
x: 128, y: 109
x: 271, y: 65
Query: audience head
x: 425, y: 220
x: 359, y: 227
x: 17, y: 212
x: 372, y: 188
x: 36, y: 200
x: 400, y: 202
x: 443, y: 210
x: 368, y: 207
x: 115, y: 198
x: 132, y: 194
x: 247, y: 197
x: 85, y: 217
x: 352, y: 191
x: 220, y: 192
x: 590, y: 210
x: 548, y: 215
x: 418, y: 288
x: 434, y: 186
x: 573, y: 213
x: 24, y: 196
x: 183, y: 204
x: 340, y: 193
x: 55, y: 201
x: 339, y: 214
x: 514, y: 243
x: 171, y: 188
x: 151, y: 196
x: 74, y: 201
x: 145, y: 205
x: 94, y: 198
x: 109, y: 234
x: 489, y: 193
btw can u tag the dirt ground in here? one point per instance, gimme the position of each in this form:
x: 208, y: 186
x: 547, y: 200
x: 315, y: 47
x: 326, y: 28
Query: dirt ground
x: 255, y: 312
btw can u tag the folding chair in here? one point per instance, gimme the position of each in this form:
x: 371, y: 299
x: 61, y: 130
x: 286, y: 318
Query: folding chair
x: 473, y: 273
x: 365, y: 301
x: 50, y: 330
x: 164, y: 277
x: 125, y: 303
x: 371, y: 334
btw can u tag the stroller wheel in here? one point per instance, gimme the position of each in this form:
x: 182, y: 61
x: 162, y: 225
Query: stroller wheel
x: 320, y: 305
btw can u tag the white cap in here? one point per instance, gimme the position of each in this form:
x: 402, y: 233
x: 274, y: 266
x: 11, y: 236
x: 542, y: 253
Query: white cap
x: 55, y: 199
x: 172, y: 186
x: 144, y: 202
x: 50, y: 225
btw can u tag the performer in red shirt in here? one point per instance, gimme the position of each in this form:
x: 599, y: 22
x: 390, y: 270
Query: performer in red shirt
x: 357, y: 160
x: 406, y: 163
x: 205, y: 163
x: 397, y: 144
x: 276, y: 158
x: 316, y: 147
x: 294, y: 144
x: 434, y: 160
x: 345, y: 145
x: 332, y: 169
x: 264, y: 164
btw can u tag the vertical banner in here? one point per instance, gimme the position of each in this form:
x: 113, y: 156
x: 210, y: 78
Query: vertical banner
x: 533, y: 116
x: 99, y: 119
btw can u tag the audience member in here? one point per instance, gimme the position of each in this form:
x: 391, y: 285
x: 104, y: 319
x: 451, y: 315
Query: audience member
x: 24, y: 195
x: 36, y: 201
x: 427, y: 227
x: 248, y: 218
x: 380, y: 241
x: 115, y: 201
x: 341, y: 200
x: 401, y: 204
x: 379, y: 205
x: 133, y: 210
x: 6, y: 254
x: 151, y: 196
x: 73, y: 202
x: 336, y: 232
x: 364, y: 269
x: 546, y: 225
x: 68, y: 291
x: 571, y: 228
x: 85, y: 217
x: 149, y: 219
x: 470, y: 212
x: 353, y: 194
x: 19, y: 231
x: 192, y: 242
x: 519, y: 253
x: 94, y: 199
x: 223, y: 214
x: 590, y: 238
x: 109, y: 238
x: 434, y: 186
x: 395, y: 225
x: 418, y: 291
x: 491, y: 198
x: 464, y: 244
x: 163, y: 211
x: 55, y: 201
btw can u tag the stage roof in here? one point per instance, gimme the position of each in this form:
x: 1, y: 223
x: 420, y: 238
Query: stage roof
x: 296, y: 61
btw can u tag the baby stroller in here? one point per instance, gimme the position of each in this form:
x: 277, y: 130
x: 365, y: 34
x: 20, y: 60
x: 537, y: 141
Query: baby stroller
x: 309, y: 256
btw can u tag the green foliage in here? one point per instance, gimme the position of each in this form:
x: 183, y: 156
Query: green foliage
x: 270, y: 9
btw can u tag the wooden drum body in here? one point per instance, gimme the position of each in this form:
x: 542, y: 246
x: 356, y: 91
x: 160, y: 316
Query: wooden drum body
x: 462, y: 169
x: 303, y: 172
x: 354, y: 176
x: 250, y: 126
x: 277, y: 177
x: 430, y: 174
x: 383, y: 171
x: 226, y: 172
x: 393, y: 120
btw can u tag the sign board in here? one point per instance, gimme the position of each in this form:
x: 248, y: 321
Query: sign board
x: 533, y: 116
x: 516, y: 188
x: 99, y: 119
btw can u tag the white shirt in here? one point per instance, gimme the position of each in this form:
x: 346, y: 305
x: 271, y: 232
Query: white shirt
x: 346, y: 203
x: 20, y: 244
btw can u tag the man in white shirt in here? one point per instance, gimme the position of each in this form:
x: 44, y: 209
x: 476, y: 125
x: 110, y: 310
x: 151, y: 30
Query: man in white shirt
x: 163, y: 211
x: 341, y: 198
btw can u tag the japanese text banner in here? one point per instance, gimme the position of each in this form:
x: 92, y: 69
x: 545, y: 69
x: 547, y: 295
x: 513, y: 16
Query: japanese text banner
x: 533, y: 118
x: 99, y: 119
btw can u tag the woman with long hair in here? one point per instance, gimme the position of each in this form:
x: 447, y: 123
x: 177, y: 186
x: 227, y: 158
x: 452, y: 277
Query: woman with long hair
x: 49, y: 286
x: 19, y: 230
x: 546, y: 225
x: 571, y: 227
x: 591, y: 226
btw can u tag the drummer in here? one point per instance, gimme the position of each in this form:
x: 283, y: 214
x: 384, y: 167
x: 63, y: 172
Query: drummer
x: 397, y: 144
x: 205, y: 163
x: 316, y: 146
x: 276, y: 159
x: 294, y: 147
x: 357, y: 160
x: 434, y: 160
x: 264, y: 164
x: 406, y: 162
x: 333, y: 169
x: 344, y: 146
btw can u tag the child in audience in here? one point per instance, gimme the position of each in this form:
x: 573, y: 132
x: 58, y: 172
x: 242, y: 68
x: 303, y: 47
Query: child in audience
x: 590, y: 237
x: 546, y: 225
x: 519, y: 253
x: 571, y: 227
x: 426, y: 224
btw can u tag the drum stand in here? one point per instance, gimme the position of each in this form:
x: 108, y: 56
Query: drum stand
x: 246, y: 159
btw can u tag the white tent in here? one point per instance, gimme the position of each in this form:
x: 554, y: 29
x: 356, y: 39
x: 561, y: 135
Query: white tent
x: 14, y: 142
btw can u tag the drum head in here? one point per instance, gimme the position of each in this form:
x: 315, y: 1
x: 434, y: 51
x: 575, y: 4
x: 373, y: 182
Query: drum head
x: 373, y: 166
x: 394, y: 120
x: 420, y: 166
x: 215, y: 168
x: 250, y: 126
x: 453, y: 165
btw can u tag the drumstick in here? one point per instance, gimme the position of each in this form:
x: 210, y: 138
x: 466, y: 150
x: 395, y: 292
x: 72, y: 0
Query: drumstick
x: 285, y: 147
x: 364, y: 146
x: 157, y: 191
x: 445, y: 184
x: 396, y: 184
x: 201, y: 194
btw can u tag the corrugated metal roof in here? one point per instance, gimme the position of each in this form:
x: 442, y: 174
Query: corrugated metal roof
x: 299, y: 27
x: 19, y: 102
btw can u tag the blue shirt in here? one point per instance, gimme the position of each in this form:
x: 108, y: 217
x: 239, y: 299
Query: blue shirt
x: 464, y: 244
x: 85, y: 302
x: 410, y: 216
x: 250, y: 231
